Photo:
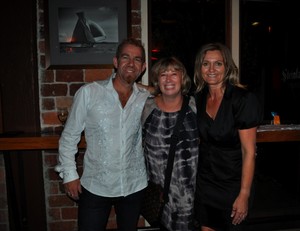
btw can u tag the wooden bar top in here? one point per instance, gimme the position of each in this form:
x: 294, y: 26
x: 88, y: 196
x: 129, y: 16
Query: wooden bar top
x: 278, y: 133
x: 44, y: 141
x: 47, y: 141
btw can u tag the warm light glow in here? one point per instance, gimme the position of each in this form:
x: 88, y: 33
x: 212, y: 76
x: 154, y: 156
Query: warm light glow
x: 255, y: 23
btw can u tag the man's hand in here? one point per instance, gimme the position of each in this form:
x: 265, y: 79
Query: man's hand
x: 73, y: 189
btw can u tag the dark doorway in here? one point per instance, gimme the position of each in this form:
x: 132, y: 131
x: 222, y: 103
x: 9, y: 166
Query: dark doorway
x: 180, y: 27
x: 269, y: 55
x: 20, y: 114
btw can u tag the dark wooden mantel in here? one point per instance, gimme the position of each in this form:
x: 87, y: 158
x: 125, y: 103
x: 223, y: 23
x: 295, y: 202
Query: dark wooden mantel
x: 265, y: 133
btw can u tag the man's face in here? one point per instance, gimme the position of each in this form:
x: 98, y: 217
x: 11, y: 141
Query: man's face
x: 130, y: 64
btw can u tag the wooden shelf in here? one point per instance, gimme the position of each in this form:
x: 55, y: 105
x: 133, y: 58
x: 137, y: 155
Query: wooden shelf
x: 265, y: 133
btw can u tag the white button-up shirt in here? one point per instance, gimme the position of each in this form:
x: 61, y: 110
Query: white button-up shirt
x: 114, y: 162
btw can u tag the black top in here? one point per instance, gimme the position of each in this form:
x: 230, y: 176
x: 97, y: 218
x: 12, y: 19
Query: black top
x: 220, y: 159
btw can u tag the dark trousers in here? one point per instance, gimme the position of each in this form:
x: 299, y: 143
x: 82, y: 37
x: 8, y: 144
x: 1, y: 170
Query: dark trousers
x: 94, y: 211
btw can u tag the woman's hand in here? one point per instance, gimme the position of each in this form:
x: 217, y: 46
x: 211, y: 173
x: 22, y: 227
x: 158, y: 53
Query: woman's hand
x: 239, y: 209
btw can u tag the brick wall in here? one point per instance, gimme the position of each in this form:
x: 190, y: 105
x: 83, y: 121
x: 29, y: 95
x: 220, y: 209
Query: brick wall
x: 57, y: 88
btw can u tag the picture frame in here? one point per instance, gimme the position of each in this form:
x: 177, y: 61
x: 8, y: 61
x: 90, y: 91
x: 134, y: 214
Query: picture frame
x: 84, y: 33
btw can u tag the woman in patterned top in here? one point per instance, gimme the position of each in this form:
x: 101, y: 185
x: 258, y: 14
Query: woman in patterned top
x: 171, y: 84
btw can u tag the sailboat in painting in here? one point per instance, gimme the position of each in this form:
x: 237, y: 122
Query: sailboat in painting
x: 86, y: 33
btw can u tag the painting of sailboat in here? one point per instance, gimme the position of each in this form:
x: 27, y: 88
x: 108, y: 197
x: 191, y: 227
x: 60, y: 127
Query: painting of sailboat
x: 92, y: 28
x: 84, y: 33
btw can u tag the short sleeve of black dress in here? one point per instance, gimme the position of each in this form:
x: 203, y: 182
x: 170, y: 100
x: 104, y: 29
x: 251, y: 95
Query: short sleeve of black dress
x: 247, y: 110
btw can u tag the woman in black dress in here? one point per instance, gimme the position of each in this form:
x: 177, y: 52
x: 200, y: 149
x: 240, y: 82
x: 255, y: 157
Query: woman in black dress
x: 228, y: 117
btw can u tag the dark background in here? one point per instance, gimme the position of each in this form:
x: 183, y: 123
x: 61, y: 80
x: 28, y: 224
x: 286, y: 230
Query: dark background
x: 267, y: 51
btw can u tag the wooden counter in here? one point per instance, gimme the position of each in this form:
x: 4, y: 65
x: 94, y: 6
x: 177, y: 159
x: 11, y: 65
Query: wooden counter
x: 33, y: 142
x: 278, y: 133
x: 266, y: 133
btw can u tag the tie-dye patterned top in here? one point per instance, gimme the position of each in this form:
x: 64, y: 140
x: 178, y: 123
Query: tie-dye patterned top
x: 157, y: 130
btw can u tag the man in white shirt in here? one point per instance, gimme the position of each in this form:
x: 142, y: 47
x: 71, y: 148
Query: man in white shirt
x: 114, y: 172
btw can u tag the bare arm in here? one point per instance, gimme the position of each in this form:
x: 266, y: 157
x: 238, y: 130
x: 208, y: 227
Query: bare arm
x: 148, y: 88
x: 248, y: 145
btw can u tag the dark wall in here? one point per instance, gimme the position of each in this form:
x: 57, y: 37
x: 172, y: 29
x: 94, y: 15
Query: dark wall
x: 269, y: 56
x: 18, y: 72
x: 19, y: 96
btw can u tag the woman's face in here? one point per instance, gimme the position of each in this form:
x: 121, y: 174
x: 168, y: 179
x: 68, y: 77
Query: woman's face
x: 213, y: 69
x: 170, y: 82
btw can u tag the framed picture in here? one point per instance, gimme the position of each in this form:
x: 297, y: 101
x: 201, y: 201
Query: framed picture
x: 84, y: 33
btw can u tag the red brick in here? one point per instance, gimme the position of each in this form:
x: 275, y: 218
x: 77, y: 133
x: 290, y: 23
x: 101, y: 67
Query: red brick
x: 48, y: 76
x: 135, y: 5
x: 50, y: 118
x: 52, y: 175
x: 74, y: 88
x: 61, y: 187
x: 135, y: 18
x: 50, y: 160
x: 60, y: 201
x: 97, y: 74
x: 69, y: 75
x: 55, y: 214
x: 54, y: 188
x: 65, y: 101
x: 136, y: 32
x: 48, y: 103
x: 80, y: 157
x: 54, y: 89
x: 63, y: 226
x: 69, y: 213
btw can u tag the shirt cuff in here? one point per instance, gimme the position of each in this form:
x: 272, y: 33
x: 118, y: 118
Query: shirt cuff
x: 69, y: 176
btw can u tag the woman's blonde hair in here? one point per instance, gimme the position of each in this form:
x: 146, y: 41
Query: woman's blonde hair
x: 165, y: 64
x: 231, y: 70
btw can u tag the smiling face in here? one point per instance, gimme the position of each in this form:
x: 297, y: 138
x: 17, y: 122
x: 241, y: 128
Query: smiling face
x: 213, y: 68
x: 170, y: 81
x: 129, y: 64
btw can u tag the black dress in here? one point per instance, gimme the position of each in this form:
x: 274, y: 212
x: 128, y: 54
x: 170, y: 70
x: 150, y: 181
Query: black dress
x: 220, y: 159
